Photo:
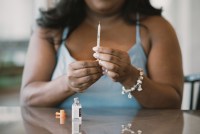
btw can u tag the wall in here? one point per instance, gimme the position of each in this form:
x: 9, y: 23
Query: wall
x: 15, y: 19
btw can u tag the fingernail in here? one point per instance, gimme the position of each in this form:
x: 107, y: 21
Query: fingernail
x: 96, y: 55
x: 103, y: 68
x: 100, y: 62
x: 105, y: 71
x: 95, y: 48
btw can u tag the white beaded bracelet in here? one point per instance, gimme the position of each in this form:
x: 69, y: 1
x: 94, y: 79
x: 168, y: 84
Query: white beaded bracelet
x: 137, y: 86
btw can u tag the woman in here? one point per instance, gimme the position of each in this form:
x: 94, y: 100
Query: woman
x: 61, y: 62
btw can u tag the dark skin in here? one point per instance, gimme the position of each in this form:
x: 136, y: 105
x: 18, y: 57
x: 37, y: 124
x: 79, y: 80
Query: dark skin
x: 162, y: 86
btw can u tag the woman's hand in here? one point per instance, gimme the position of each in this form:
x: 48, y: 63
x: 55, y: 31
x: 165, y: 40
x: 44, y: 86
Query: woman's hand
x: 115, y: 63
x: 82, y: 74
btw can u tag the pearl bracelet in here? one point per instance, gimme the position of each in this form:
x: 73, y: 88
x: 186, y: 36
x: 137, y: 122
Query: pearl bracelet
x: 137, y: 86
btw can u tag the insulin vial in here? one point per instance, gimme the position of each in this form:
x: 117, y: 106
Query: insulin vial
x: 76, y: 110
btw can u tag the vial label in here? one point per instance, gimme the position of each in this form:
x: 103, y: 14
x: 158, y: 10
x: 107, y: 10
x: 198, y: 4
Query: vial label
x: 76, y: 113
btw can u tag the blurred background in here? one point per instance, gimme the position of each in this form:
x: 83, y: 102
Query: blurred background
x: 17, y: 18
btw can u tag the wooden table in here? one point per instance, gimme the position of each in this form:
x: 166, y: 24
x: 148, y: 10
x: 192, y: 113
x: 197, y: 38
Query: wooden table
x: 27, y: 120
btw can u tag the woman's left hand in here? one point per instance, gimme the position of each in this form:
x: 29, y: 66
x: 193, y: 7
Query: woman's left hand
x: 115, y: 63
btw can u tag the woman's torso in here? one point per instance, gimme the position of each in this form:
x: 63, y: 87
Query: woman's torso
x: 104, y: 92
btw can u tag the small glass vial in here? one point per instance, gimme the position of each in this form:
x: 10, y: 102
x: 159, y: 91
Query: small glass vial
x: 76, y: 110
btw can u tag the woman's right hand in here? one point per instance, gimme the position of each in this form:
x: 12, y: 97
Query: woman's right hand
x: 82, y: 74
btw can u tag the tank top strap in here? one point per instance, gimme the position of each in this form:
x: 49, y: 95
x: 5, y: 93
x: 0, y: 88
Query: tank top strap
x: 65, y: 33
x: 138, y: 40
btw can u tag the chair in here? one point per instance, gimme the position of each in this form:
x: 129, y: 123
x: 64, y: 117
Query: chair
x: 193, y: 79
x: 198, y: 101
